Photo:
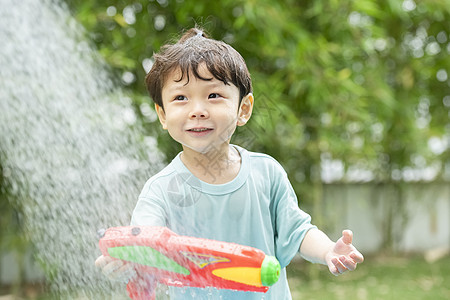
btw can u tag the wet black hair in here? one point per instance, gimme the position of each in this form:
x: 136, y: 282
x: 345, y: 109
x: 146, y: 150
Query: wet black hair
x: 188, y: 53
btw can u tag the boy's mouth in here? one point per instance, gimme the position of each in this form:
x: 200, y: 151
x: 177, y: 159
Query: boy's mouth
x: 199, y: 129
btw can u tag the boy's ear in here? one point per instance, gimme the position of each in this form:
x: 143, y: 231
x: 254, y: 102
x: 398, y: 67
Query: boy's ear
x: 245, y: 110
x: 161, y: 115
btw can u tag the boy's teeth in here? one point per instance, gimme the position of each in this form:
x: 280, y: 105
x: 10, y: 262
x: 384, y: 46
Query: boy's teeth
x: 199, y: 129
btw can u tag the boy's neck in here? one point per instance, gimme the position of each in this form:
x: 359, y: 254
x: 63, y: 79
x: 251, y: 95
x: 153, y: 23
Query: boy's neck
x: 219, y: 165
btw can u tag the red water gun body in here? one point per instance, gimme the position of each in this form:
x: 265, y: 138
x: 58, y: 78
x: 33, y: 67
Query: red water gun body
x: 161, y: 256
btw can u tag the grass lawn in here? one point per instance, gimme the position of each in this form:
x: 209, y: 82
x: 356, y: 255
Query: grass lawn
x: 378, y: 277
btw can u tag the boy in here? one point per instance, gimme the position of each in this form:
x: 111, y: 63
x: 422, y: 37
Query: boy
x: 202, y: 90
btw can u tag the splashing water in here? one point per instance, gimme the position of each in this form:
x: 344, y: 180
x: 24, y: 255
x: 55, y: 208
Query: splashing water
x: 70, y: 146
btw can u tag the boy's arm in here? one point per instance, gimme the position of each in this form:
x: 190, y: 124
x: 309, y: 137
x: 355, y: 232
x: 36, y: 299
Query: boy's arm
x: 340, y: 257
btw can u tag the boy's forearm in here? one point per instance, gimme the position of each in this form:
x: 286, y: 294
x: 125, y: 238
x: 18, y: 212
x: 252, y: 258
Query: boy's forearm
x: 315, y: 246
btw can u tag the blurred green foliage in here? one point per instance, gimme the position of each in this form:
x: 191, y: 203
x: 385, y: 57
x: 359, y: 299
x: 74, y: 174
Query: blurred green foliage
x: 361, y: 82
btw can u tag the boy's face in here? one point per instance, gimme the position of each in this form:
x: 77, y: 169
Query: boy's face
x: 199, y: 114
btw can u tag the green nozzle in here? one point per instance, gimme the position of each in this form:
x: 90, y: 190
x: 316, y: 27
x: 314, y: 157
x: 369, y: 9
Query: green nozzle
x: 270, y: 270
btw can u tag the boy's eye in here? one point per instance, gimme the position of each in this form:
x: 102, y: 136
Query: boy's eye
x: 180, y: 98
x: 214, y: 95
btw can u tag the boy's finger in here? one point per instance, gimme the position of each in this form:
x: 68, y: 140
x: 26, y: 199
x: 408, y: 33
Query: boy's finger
x: 347, y: 236
x: 357, y: 257
x: 123, y: 273
x: 348, y: 263
x: 112, y: 267
x: 333, y: 269
x: 102, y: 261
x: 339, y: 266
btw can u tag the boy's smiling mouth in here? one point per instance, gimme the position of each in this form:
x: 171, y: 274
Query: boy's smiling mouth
x: 199, y: 131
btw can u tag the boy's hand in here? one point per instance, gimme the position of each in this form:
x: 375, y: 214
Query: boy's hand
x: 115, y: 269
x: 343, y: 256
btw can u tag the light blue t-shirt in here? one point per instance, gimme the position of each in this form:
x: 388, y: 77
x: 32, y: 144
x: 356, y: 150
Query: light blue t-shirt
x: 258, y: 208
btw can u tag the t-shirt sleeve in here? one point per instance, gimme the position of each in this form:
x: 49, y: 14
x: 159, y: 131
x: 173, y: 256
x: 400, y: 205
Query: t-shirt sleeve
x: 150, y: 209
x: 291, y: 223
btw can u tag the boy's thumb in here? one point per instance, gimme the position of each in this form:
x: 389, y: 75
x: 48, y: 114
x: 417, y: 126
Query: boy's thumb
x: 347, y: 236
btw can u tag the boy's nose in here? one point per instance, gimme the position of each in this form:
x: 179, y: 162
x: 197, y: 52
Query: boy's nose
x: 198, y: 115
x: 199, y: 112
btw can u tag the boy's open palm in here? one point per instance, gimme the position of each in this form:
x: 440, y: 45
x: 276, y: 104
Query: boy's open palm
x: 343, y: 256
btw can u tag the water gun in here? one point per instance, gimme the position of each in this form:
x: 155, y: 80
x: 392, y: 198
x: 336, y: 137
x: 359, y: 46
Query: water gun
x: 161, y: 256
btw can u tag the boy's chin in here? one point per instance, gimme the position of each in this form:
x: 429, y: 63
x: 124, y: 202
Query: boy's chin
x: 199, y: 150
x: 203, y: 149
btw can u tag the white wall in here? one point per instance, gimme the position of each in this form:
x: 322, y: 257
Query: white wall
x: 418, y: 218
